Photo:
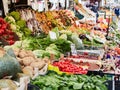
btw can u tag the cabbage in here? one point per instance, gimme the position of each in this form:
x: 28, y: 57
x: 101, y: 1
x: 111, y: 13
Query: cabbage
x: 17, y: 44
x: 63, y: 36
x: 52, y: 49
x: 77, y: 41
x: 39, y: 53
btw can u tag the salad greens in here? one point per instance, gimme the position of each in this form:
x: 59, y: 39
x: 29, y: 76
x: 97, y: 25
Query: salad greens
x: 53, y: 81
x: 37, y: 43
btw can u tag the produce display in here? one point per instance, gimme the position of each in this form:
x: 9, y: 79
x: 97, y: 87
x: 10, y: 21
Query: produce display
x: 7, y: 36
x: 71, y: 67
x: 18, y: 25
x: 43, y: 47
x: 52, y: 81
x: 54, y: 49
x: 61, y: 19
x: 86, y: 64
x: 29, y: 62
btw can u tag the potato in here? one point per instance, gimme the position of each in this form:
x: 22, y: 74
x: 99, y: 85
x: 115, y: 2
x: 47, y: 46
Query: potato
x: 20, y: 60
x: 46, y: 59
x: 30, y: 53
x: 38, y: 59
x: 28, y: 60
x: 16, y: 51
x: 22, y: 54
x: 22, y: 66
x: 29, y: 67
x: 27, y: 71
x: 38, y: 65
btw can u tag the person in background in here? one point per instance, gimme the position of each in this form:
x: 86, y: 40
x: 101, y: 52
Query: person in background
x: 94, y: 8
x: 116, y: 11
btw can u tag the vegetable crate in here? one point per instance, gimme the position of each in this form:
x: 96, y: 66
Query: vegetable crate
x: 32, y: 87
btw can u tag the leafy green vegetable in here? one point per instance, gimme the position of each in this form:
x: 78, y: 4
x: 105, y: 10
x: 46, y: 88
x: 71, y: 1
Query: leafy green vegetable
x: 54, y: 81
x: 63, y: 36
x: 77, y: 41
x: 78, y: 86
x: 56, y: 31
x: 39, y: 53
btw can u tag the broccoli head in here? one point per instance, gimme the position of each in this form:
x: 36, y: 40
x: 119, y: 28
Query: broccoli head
x: 15, y: 15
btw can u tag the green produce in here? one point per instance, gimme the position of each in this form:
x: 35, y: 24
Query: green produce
x: 56, y: 31
x: 77, y: 41
x: 15, y: 14
x: 67, y: 32
x: 9, y: 19
x: 63, y: 36
x: 9, y: 65
x: 18, y: 25
x: 37, y: 43
x: 19, y: 44
x: 52, y: 49
x: 27, y: 31
x: 43, y: 47
x: 39, y: 53
x: 21, y: 23
x: 53, y: 81
x: 46, y: 54
x: 99, y: 40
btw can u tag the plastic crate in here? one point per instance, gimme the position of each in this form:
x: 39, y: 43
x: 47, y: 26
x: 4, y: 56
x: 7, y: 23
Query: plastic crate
x: 117, y: 85
x: 32, y: 87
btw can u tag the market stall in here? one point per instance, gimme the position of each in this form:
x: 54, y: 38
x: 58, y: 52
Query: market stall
x: 55, y: 50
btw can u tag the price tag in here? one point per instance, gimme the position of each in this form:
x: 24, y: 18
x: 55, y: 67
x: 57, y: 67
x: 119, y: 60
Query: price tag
x: 73, y: 49
x: 53, y: 35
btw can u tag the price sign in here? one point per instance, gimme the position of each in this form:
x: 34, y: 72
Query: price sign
x: 53, y: 35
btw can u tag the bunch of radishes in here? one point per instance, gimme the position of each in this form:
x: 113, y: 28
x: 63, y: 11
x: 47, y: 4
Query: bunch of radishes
x: 5, y: 33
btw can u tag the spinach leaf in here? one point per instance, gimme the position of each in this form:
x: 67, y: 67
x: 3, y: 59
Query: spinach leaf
x: 78, y: 85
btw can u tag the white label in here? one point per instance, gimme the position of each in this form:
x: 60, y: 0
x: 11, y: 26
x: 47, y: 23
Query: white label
x: 53, y: 35
x: 73, y: 49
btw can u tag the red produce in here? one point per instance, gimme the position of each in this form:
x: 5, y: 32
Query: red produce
x: 5, y: 33
x: 70, y: 67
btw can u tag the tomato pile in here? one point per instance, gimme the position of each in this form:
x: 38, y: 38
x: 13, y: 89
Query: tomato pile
x: 70, y: 67
x: 5, y: 33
